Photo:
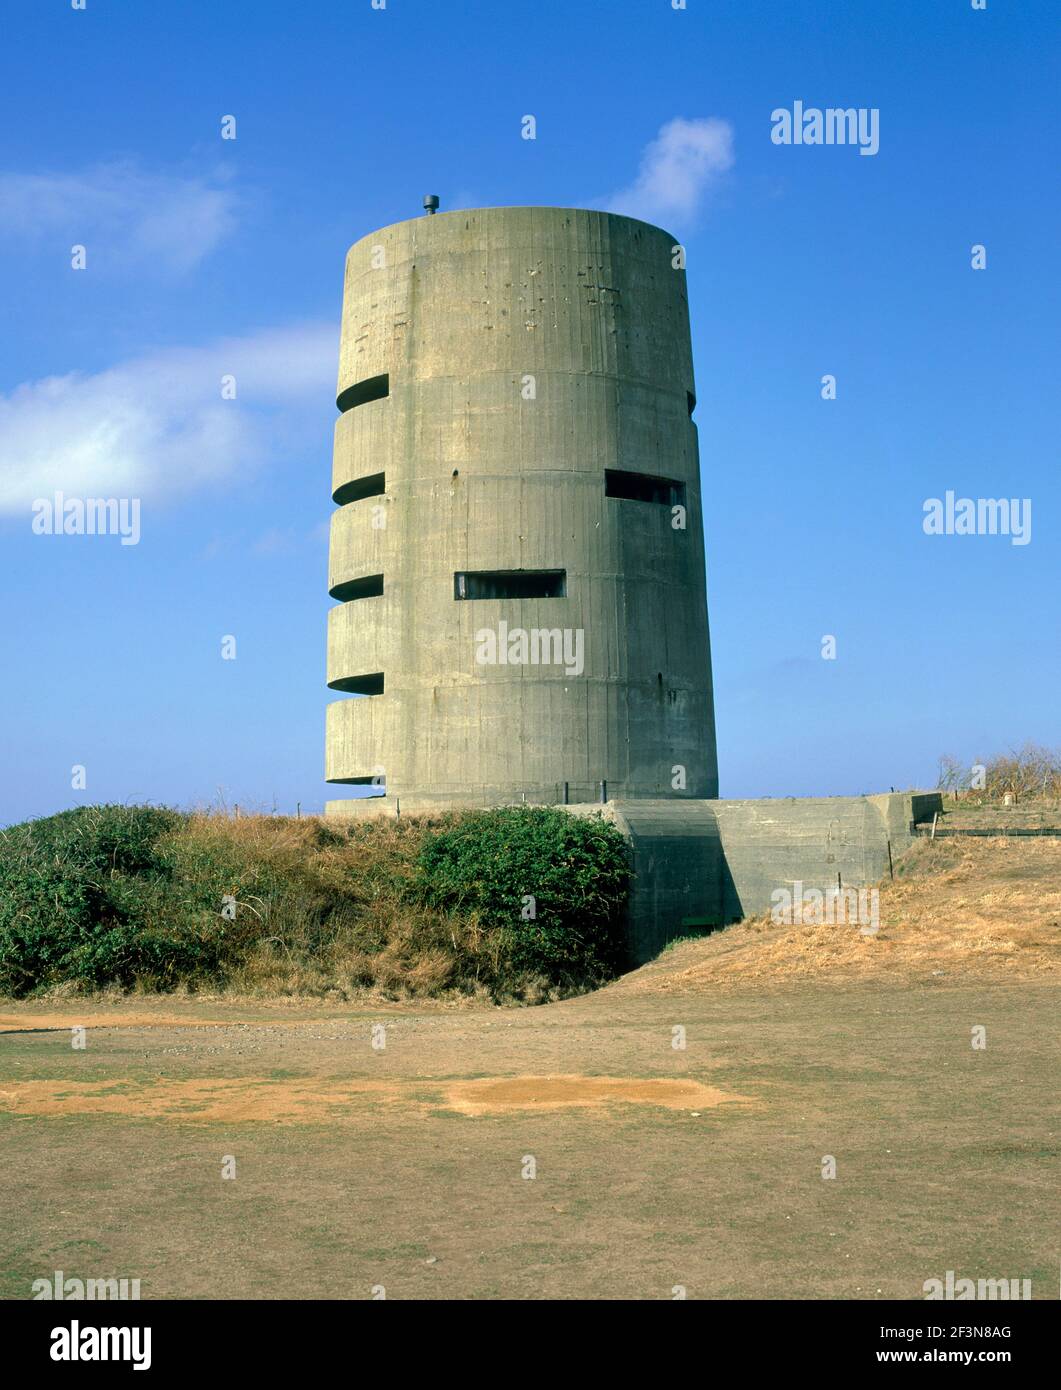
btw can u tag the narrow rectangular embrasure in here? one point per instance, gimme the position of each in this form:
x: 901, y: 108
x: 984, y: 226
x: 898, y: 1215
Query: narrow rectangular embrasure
x: 474, y: 584
x: 643, y: 487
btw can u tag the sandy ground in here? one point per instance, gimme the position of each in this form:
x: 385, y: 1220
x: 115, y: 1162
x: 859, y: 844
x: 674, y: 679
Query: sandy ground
x: 263, y: 1100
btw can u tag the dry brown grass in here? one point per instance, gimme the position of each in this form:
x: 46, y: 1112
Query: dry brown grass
x: 978, y: 908
x: 342, y: 925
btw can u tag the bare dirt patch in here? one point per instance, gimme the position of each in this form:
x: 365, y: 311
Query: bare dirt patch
x: 496, y: 1095
x: 224, y: 1101
x: 309, y: 1100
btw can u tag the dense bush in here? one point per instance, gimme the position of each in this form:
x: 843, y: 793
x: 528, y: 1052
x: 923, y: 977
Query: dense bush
x: 85, y: 896
x: 115, y: 895
x: 553, y: 884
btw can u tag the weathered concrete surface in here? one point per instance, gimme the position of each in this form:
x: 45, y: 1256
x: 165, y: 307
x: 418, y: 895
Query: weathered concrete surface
x: 818, y: 841
x: 901, y: 811
x: 707, y: 863
x: 680, y: 879
x: 526, y: 351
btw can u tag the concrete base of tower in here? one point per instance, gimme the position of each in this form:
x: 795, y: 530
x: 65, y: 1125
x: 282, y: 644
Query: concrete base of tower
x: 420, y: 803
x: 702, y: 864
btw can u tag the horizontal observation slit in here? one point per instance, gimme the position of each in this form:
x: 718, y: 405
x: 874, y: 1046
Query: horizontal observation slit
x: 359, y: 685
x: 373, y: 388
x: 375, y: 485
x: 369, y: 780
x: 476, y: 584
x: 369, y: 587
x: 643, y: 487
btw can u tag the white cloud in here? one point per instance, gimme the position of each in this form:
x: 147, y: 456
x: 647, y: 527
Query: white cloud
x: 158, y: 425
x: 679, y: 168
x: 120, y: 214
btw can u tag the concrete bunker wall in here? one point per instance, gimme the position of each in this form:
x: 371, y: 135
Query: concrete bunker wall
x: 821, y: 842
x: 700, y: 864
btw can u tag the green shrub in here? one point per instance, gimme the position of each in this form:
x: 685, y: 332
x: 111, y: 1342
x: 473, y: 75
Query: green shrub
x: 552, y: 883
x: 79, y: 900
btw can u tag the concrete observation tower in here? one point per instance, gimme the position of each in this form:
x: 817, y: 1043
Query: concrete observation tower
x: 518, y: 562
x: 517, y: 552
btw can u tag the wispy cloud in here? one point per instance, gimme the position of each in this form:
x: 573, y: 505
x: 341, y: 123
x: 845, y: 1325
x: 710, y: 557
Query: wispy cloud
x: 679, y: 169
x: 121, y: 214
x: 158, y: 425
x: 276, y: 541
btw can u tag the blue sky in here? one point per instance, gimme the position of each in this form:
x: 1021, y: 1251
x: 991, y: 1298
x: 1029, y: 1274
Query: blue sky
x: 207, y: 256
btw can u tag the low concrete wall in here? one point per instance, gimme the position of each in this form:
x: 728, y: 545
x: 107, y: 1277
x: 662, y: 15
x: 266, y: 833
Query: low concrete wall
x: 823, y: 842
x: 698, y: 864
x: 901, y: 811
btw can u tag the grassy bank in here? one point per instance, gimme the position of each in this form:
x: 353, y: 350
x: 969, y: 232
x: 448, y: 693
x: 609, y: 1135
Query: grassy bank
x: 521, y: 903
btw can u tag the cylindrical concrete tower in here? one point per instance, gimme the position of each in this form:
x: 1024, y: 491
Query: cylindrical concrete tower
x: 518, y: 549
